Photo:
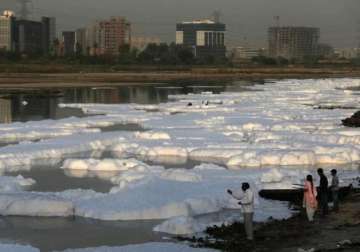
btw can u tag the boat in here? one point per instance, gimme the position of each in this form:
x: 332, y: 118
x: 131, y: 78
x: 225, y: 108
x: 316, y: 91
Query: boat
x: 296, y: 195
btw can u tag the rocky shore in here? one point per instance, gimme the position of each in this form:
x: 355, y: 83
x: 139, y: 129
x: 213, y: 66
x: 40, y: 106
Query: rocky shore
x: 337, y: 232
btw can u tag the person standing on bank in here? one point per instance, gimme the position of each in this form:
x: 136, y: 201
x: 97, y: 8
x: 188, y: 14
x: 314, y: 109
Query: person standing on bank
x: 246, y: 197
x: 335, y: 189
x: 323, y: 192
x: 310, y: 202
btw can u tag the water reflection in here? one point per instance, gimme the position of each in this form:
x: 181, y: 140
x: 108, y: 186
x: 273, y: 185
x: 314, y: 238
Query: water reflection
x: 49, y: 234
x: 55, y: 179
x: 5, y: 111
x: 33, y: 105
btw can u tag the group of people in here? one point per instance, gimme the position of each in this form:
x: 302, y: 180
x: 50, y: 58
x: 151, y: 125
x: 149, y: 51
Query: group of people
x: 312, y: 199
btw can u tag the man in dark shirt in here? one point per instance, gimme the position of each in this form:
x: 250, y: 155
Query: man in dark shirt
x: 323, y: 192
x: 335, y: 189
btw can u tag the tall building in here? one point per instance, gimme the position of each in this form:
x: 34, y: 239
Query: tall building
x: 29, y: 37
x: 26, y: 36
x: 52, y: 30
x: 293, y: 42
x: 114, y: 33
x: 80, y: 41
x: 7, y: 31
x: 92, y: 39
x: 48, y: 35
x: 205, y: 37
x: 105, y: 37
x: 68, y: 42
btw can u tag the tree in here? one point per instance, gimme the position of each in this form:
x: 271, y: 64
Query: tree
x: 262, y: 60
x: 127, y: 55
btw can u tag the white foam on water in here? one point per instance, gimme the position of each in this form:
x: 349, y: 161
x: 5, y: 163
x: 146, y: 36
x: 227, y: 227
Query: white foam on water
x: 244, y: 132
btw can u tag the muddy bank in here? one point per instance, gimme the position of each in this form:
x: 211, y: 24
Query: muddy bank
x: 10, y: 79
x: 337, y: 232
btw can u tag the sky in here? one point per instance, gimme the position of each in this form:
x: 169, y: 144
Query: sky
x: 247, y: 20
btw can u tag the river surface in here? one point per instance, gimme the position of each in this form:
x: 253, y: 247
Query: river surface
x: 39, y: 104
x: 50, y: 234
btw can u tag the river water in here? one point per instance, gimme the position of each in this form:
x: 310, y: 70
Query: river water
x: 47, y: 234
x: 50, y: 234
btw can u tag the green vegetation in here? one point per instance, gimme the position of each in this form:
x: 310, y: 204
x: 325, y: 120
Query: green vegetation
x: 155, y: 57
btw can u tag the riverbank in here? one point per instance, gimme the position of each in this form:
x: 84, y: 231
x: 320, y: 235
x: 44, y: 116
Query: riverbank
x: 337, y: 232
x: 109, y: 77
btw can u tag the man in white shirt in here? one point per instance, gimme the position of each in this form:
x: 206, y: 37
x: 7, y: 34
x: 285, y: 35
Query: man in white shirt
x: 246, y: 197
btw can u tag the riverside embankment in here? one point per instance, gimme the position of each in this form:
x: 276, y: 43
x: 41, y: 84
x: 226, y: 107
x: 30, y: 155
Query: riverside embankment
x: 49, y: 76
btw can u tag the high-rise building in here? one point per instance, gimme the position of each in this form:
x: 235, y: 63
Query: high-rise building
x: 7, y: 31
x: 106, y: 37
x: 80, y: 41
x: 114, y: 33
x: 52, y: 30
x: 92, y: 39
x: 26, y: 36
x: 29, y: 37
x: 48, y: 35
x: 293, y: 42
x: 68, y: 42
x: 205, y: 37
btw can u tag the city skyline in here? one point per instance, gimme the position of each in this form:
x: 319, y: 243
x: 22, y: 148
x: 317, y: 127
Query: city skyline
x: 247, y: 21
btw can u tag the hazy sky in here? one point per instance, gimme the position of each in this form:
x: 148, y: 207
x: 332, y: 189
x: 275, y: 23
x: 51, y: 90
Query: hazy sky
x: 339, y: 20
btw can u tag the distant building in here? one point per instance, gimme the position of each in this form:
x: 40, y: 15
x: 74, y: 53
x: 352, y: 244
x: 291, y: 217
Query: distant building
x: 114, y: 33
x: 48, y: 33
x: 105, y: 37
x: 26, y: 36
x: 246, y: 52
x: 68, y: 42
x: 205, y: 37
x: 141, y: 43
x: 52, y: 30
x: 7, y: 31
x: 92, y: 39
x: 293, y: 42
x: 80, y: 41
x: 347, y: 53
x: 29, y: 37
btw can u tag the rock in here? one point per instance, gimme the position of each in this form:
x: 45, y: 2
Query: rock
x: 353, y: 121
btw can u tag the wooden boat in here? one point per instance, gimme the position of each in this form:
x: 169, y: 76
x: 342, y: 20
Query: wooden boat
x: 296, y: 195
